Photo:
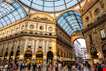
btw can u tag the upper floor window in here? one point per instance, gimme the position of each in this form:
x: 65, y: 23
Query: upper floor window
x: 22, y: 27
x: 26, y: 25
x: 41, y: 27
x: 97, y: 11
x: 31, y: 26
x: 102, y: 33
x: 87, y: 18
x: 17, y: 28
x: 30, y: 42
x: 50, y: 28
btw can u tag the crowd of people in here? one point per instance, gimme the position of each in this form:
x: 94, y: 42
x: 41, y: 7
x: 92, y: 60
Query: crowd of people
x: 12, y: 65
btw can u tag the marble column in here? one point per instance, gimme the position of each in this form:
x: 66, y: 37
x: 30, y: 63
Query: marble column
x: 33, y: 49
x: 15, y: 48
x: 44, y: 51
x: 23, y: 44
x: 9, y: 48
x: 45, y: 54
x: 2, y: 51
x: 53, y: 43
x: 5, y: 48
x: 37, y: 42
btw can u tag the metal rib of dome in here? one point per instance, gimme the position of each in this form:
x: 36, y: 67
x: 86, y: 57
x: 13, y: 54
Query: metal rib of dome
x: 70, y: 22
x: 10, y: 13
x: 50, y: 5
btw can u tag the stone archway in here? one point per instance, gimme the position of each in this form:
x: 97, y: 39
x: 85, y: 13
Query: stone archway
x: 17, y: 53
x: 39, y: 57
x: 28, y: 54
x: 50, y: 56
x: 11, y: 53
x: 93, y: 52
x: 6, y: 53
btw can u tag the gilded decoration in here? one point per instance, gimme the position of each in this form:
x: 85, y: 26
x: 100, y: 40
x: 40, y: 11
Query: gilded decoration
x: 42, y: 17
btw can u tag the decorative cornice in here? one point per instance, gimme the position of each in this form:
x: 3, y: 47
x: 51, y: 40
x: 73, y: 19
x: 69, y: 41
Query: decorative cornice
x: 22, y: 34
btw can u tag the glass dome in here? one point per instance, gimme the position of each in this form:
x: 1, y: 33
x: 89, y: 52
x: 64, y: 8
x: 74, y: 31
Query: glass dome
x: 50, y: 5
x: 10, y: 13
x: 70, y: 21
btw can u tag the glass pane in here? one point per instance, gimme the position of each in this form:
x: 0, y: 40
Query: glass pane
x: 11, y: 12
x: 69, y: 23
x: 50, y: 5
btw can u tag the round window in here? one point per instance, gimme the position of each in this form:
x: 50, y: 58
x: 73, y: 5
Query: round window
x: 31, y: 26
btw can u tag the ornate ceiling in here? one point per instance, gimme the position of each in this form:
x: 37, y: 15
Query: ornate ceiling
x: 70, y: 21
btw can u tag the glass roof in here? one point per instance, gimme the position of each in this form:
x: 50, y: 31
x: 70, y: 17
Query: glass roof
x: 70, y: 22
x: 10, y: 13
x: 50, y: 5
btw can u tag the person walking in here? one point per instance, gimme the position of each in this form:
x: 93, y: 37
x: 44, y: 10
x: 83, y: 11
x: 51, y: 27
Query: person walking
x: 87, y: 66
x: 33, y: 66
x: 98, y: 67
x: 50, y: 67
x: 6, y: 67
x: 10, y: 66
x: 29, y: 66
x: 65, y: 68
x: 21, y: 65
x: 14, y: 66
x: 56, y: 67
x: 69, y: 67
x: 59, y: 66
x: 73, y: 68
x: 103, y: 66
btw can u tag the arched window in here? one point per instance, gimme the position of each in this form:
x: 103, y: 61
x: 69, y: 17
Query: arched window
x: 102, y: 34
x: 50, y: 28
x: 97, y: 11
x: 22, y: 27
x: 87, y: 18
x: 93, y: 52
x: 31, y: 26
x: 41, y: 27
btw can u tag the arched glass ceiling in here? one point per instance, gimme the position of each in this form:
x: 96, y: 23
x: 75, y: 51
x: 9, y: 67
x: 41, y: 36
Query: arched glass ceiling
x: 10, y: 13
x: 70, y: 21
x: 50, y: 5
